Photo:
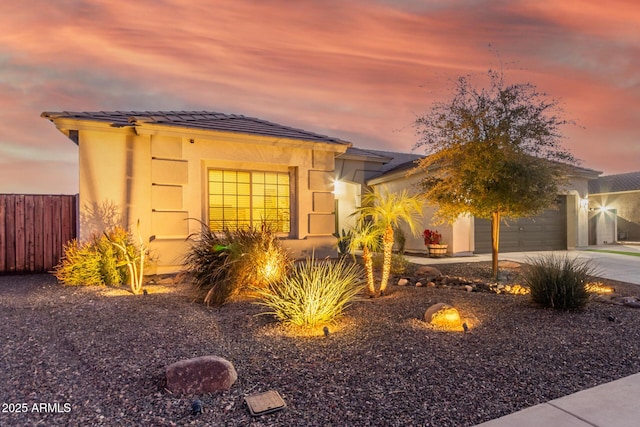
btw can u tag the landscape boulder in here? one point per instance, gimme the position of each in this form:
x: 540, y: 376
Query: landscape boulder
x: 443, y: 315
x: 203, y: 374
x: 426, y: 271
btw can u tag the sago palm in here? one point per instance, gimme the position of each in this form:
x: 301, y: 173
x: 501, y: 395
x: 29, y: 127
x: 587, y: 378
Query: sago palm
x: 387, y: 211
x: 368, y: 237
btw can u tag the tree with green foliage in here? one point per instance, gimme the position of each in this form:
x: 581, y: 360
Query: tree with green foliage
x: 493, y: 153
x: 385, y: 211
x: 368, y: 237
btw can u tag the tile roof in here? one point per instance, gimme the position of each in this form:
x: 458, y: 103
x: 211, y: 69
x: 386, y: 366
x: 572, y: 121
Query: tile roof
x: 615, y: 183
x: 205, y: 120
x: 399, y: 160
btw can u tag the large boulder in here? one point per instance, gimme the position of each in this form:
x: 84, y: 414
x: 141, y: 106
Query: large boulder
x: 444, y: 316
x: 203, y: 374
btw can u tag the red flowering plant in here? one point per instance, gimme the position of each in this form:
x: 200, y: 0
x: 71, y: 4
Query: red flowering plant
x: 431, y: 237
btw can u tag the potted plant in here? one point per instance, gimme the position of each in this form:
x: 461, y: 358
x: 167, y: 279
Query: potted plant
x: 433, y: 241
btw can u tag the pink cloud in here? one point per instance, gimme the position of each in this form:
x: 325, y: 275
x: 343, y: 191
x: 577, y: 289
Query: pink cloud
x: 359, y: 70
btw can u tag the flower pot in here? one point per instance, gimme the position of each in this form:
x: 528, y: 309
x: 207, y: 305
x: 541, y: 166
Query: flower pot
x: 437, y: 251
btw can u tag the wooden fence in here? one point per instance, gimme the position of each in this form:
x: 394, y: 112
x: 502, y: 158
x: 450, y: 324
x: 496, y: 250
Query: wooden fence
x: 33, y: 230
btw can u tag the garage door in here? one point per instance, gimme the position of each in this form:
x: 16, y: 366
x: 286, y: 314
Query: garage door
x: 545, y: 232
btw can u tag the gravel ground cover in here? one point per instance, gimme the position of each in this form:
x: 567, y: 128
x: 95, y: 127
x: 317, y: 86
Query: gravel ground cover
x: 96, y: 357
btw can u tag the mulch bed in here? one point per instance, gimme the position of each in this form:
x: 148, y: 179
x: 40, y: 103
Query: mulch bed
x: 102, y: 352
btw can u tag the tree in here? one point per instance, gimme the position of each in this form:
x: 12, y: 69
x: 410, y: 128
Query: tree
x: 368, y: 237
x: 493, y: 153
x: 387, y: 211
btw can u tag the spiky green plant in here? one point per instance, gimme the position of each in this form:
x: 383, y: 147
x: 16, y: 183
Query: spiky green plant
x: 225, y: 265
x: 558, y: 282
x: 314, y: 293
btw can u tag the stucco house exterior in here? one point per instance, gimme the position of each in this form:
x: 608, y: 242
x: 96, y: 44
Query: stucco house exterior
x: 563, y: 227
x: 614, y: 208
x: 173, y: 170
x: 170, y: 170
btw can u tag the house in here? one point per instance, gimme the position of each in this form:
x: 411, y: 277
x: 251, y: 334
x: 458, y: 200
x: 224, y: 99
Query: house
x: 614, y: 208
x: 562, y: 227
x: 170, y: 171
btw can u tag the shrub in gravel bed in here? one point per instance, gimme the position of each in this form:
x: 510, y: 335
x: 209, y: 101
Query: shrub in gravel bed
x: 223, y: 265
x: 314, y: 293
x: 558, y: 282
x: 97, y: 261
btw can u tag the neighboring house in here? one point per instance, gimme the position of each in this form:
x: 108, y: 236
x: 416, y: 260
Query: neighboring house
x: 614, y: 208
x: 172, y: 170
x: 169, y: 170
x: 563, y: 227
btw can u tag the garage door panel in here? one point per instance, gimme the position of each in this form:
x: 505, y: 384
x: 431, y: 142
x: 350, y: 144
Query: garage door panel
x: 547, y: 231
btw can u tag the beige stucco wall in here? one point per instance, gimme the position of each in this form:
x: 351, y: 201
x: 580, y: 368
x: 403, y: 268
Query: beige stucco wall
x: 460, y: 234
x: 160, y: 178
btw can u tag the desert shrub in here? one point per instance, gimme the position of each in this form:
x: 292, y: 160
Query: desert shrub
x: 558, y: 281
x: 95, y: 262
x: 224, y: 265
x: 399, y: 263
x: 80, y: 265
x: 314, y: 293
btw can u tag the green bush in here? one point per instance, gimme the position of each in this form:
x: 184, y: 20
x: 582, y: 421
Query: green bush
x: 95, y: 262
x: 399, y: 263
x: 558, y: 282
x: 80, y: 265
x: 314, y: 293
x: 224, y: 265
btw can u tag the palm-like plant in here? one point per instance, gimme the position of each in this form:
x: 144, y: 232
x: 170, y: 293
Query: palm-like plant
x: 368, y: 237
x: 387, y: 211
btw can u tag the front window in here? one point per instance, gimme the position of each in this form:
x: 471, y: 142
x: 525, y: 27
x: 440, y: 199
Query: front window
x: 239, y: 199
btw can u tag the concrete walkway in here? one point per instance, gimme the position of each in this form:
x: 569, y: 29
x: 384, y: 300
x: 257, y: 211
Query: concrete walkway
x: 612, y: 404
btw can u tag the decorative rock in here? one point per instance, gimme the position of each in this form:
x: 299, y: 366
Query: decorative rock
x: 200, y: 375
x: 427, y: 271
x: 431, y: 284
x: 419, y: 284
x: 468, y: 288
x: 443, y: 315
x: 403, y: 282
x: 508, y: 264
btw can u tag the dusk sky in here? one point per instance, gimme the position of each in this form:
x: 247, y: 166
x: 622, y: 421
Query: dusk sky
x: 354, y: 69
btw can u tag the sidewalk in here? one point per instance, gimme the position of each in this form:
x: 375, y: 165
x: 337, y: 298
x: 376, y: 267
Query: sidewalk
x: 612, y: 404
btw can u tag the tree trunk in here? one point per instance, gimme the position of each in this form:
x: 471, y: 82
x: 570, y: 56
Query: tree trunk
x: 387, y: 250
x: 495, y: 241
x: 368, y: 266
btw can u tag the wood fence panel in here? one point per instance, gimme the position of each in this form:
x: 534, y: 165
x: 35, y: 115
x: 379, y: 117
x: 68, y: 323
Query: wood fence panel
x: 19, y: 232
x: 10, y: 235
x: 38, y: 231
x: 3, y: 235
x: 29, y: 232
x: 34, y: 229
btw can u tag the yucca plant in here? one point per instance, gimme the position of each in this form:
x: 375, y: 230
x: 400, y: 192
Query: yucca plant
x: 558, y: 282
x: 315, y: 293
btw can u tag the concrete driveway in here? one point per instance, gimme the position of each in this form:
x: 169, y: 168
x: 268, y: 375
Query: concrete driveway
x: 613, y: 266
